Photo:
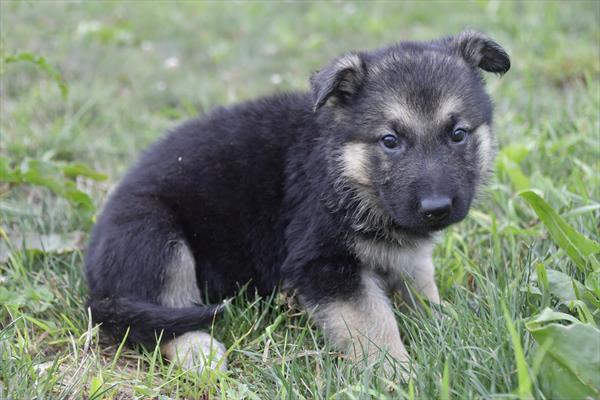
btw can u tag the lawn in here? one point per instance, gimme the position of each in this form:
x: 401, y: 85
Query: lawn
x: 85, y: 86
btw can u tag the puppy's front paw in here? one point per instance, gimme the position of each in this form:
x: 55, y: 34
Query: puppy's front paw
x: 196, y: 350
x: 443, y: 312
x: 397, y: 371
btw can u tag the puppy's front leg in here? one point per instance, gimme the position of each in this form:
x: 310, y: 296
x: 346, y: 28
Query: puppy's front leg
x: 363, y: 324
x: 423, y: 279
x: 418, y: 274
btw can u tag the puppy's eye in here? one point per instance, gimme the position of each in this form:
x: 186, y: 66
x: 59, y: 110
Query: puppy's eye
x: 458, y: 135
x: 389, y: 141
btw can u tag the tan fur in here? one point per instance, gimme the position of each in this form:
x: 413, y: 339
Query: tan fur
x: 401, y: 264
x: 448, y: 106
x: 401, y: 112
x: 483, y: 135
x: 355, y: 165
x: 351, y: 165
x: 364, y: 325
x: 180, y: 288
x: 195, y: 350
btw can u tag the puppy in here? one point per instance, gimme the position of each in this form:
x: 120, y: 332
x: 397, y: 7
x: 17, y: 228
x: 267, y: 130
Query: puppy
x: 336, y: 193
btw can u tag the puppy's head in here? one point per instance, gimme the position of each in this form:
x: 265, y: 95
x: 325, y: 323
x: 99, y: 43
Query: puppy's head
x: 409, y: 128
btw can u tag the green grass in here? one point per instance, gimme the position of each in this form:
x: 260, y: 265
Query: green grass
x: 121, y: 95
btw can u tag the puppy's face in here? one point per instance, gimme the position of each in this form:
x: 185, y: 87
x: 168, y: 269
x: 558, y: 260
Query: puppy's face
x: 411, y: 127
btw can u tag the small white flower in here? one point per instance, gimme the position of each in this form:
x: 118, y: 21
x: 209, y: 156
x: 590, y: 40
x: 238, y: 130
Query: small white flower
x: 276, y: 79
x: 172, y: 63
x: 161, y: 86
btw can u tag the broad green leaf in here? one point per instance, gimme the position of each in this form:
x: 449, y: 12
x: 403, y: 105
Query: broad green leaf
x: 583, y: 312
x: 561, y: 285
x: 592, y: 283
x: 77, y: 197
x: 548, y: 315
x: 579, y: 248
x: 558, y: 382
x: 54, y: 176
x: 42, y: 173
x: 73, y: 170
x: 570, y: 369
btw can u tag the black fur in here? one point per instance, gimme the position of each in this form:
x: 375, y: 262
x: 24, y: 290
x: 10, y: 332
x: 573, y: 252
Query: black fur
x: 255, y: 191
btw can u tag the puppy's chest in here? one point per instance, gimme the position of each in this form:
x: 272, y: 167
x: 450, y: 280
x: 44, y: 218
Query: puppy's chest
x: 392, y: 261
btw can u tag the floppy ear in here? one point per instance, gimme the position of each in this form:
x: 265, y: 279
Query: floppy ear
x: 481, y: 51
x: 339, y: 80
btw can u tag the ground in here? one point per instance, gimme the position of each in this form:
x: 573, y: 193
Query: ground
x: 91, y: 84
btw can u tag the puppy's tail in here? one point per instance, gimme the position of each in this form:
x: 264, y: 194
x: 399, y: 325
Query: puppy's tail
x: 146, y: 321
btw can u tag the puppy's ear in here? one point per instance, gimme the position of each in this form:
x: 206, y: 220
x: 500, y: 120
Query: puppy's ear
x: 339, y: 80
x: 481, y: 51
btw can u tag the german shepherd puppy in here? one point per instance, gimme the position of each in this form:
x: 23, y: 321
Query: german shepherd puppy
x: 336, y: 193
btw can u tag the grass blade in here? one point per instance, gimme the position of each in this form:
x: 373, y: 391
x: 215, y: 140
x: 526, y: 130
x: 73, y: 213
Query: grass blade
x: 524, y: 388
x: 579, y: 248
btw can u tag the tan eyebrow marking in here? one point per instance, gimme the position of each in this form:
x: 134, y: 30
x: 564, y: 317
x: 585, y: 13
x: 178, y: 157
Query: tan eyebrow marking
x: 447, y: 107
x: 400, y: 112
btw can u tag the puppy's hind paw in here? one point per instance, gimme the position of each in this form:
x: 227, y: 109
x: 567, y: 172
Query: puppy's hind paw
x: 196, y: 351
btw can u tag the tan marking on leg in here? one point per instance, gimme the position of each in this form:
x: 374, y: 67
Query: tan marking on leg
x: 180, y: 287
x: 355, y: 163
x: 365, y: 325
x: 195, y: 350
x: 401, y: 264
x: 423, y: 280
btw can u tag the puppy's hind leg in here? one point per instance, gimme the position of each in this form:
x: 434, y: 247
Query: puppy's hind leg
x: 195, y: 349
x: 143, y: 285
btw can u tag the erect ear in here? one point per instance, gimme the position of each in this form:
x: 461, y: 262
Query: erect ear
x: 481, y: 51
x: 338, y: 80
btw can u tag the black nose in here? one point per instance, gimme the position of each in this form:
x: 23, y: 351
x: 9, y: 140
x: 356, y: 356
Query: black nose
x: 435, y: 209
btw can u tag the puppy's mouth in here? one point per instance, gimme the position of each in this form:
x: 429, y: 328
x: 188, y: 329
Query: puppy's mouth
x: 420, y: 231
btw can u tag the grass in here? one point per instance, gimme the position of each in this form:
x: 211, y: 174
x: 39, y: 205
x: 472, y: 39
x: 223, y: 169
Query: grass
x: 132, y: 70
